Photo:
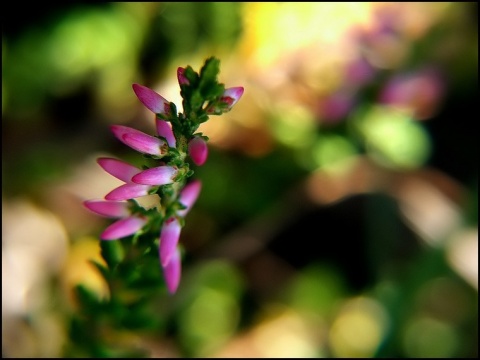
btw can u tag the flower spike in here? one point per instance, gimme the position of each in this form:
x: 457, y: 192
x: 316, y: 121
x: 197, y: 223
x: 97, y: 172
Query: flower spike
x: 166, y: 154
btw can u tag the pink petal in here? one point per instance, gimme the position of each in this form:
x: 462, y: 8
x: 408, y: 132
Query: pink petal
x: 137, y: 139
x: 120, y: 169
x: 172, y: 272
x: 232, y: 95
x: 145, y: 143
x: 123, y: 227
x: 182, y: 80
x: 120, y: 130
x: 128, y: 191
x: 169, y: 239
x: 198, y: 150
x: 153, y: 101
x: 189, y: 195
x: 164, y: 129
x: 160, y: 175
x: 108, y: 208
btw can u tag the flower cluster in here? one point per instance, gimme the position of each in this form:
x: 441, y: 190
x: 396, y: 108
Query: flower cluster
x: 175, y: 142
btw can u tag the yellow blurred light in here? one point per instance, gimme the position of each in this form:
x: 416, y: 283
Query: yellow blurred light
x: 79, y: 270
x: 359, y: 328
x: 285, y: 334
x: 272, y: 29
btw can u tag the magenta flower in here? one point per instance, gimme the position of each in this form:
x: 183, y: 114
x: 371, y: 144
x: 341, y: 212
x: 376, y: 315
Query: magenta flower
x: 229, y: 98
x: 198, y: 150
x: 153, y: 101
x: 123, y: 171
x: 127, y: 225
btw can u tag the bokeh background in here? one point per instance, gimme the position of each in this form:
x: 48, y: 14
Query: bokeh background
x: 338, y: 215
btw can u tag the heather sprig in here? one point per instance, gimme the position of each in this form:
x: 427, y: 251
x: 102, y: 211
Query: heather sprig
x: 166, y: 173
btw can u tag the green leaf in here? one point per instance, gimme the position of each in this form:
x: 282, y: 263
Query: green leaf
x: 112, y: 252
x: 210, y: 70
x: 87, y: 298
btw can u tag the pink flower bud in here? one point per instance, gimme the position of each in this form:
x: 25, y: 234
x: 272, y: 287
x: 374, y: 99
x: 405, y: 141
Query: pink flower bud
x: 232, y: 95
x: 121, y: 170
x: 153, y: 101
x: 169, y: 239
x: 189, y: 195
x: 113, y: 209
x: 138, y: 140
x: 198, y: 150
x: 160, y: 175
x: 164, y: 129
x: 182, y: 80
x: 128, y: 191
x: 226, y: 101
x: 172, y: 272
x: 123, y: 227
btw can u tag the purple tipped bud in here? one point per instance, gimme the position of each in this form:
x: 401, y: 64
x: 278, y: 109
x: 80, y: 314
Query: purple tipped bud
x: 182, y: 80
x: 128, y: 191
x: 232, y: 95
x: 115, y: 209
x: 189, y: 195
x: 198, y: 150
x: 123, y: 227
x: 172, y: 272
x: 153, y: 101
x: 225, y: 103
x: 121, y: 170
x: 164, y: 129
x: 160, y: 175
x: 169, y: 239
